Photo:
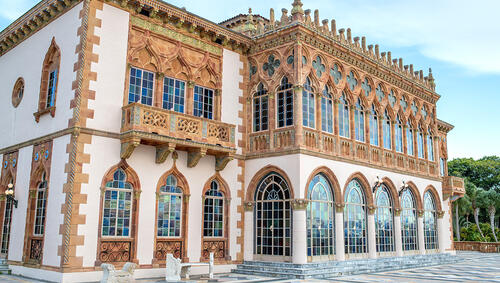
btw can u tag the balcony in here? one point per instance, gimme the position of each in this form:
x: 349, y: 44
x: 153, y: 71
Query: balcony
x: 169, y: 131
x: 453, y: 187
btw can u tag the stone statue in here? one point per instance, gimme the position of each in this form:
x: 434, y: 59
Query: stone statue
x: 110, y: 275
x: 173, y: 268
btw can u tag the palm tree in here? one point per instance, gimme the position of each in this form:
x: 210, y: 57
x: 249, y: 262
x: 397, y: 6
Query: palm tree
x: 473, y: 192
x: 490, y: 200
x: 462, y: 207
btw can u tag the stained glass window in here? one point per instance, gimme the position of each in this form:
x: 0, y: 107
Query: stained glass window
x: 285, y: 104
x: 386, y: 131
x: 203, y: 102
x: 213, y: 212
x: 398, y: 134
x: 320, y: 218
x: 141, y: 86
x: 409, y: 139
x: 430, y: 146
x: 308, y: 105
x: 384, y: 220
x: 355, y: 235
x: 343, y: 117
x: 173, y: 94
x: 373, y: 127
x: 41, y: 206
x: 327, y: 111
x: 7, y: 218
x: 51, y: 91
x: 169, y: 209
x: 117, y: 207
x: 408, y: 221
x: 359, y: 122
x: 260, y: 109
x: 420, y: 142
x: 430, y: 225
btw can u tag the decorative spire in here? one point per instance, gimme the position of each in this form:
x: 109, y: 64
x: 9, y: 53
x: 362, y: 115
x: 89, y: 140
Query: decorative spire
x: 431, y: 80
x: 249, y: 26
x: 271, y: 17
x: 284, y: 16
x: 297, y: 12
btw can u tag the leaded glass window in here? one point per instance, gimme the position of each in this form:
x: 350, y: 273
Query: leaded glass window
x: 408, y: 221
x: 398, y: 134
x: 343, y: 117
x: 355, y: 234
x: 273, y: 217
x: 373, y: 127
x: 327, y: 111
x: 203, y: 102
x: 141, y: 85
x: 169, y: 220
x: 308, y: 105
x: 117, y: 207
x: 213, y: 212
x: 51, y: 91
x: 260, y: 109
x: 41, y: 206
x: 173, y: 94
x: 420, y: 142
x: 386, y: 131
x: 430, y: 225
x: 285, y: 104
x: 442, y: 166
x: 384, y: 220
x: 430, y: 146
x: 320, y: 218
x: 359, y: 122
x: 409, y: 139
x: 7, y: 219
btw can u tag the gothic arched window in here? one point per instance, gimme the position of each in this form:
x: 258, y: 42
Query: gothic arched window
x: 50, y: 79
x: 373, y: 127
x: 213, y: 212
x: 355, y: 234
x: 308, y: 105
x: 409, y: 140
x: 359, y: 122
x: 398, y: 134
x: 430, y: 146
x: 117, y: 206
x: 384, y: 220
x: 169, y: 221
x: 420, y: 142
x: 430, y: 225
x: 343, y: 117
x: 408, y: 221
x: 285, y: 104
x: 386, y: 131
x: 260, y: 109
x: 327, y: 111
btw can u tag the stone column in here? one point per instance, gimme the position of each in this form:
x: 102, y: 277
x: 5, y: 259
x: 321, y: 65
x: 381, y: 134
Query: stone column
x: 420, y: 232
x: 372, y: 242
x: 398, y: 240
x: 188, y: 101
x: 299, y: 232
x: 248, y: 240
x: 339, y: 233
x: 441, y: 231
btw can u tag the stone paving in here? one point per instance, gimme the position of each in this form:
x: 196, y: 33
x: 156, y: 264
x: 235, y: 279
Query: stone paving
x: 475, y: 267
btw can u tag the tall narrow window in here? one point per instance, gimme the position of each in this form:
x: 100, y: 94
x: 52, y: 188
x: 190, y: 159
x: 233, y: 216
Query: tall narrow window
x: 173, y: 94
x: 386, y: 131
x: 260, y: 109
x: 384, y: 220
x: 41, y: 207
x: 308, y: 105
x: 359, y: 122
x: 51, y: 92
x: 430, y: 226
x: 430, y: 146
x: 442, y: 166
x: 326, y: 111
x: 203, y: 102
x: 7, y: 219
x: 355, y: 219
x: 50, y: 78
x: 408, y: 221
x: 373, y: 127
x: 285, y: 104
x: 213, y: 212
x: 398, y: 134
x: 409, y: 140
x: 117, y: 206
x: 420, y: 142
x: 343, y: 117
x: 141, y: 86
x: 169, y: 209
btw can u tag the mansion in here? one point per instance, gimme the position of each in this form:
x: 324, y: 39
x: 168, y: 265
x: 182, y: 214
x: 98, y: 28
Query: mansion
x: 133, y: 129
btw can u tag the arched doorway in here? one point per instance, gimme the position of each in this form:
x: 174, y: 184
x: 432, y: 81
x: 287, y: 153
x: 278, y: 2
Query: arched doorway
x: 273, y: 219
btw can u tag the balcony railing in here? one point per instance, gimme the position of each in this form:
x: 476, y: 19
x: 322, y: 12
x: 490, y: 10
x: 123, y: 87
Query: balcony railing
x: 169, y: 130
x: 453, y: 187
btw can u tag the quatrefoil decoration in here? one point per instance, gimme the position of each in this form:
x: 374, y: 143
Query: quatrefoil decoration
x: 253, y: 70
x: 271, y: 64
x: 318, y: 66
x: 379, y: 92
x: 403, y: 103
x: 392, y: 98
x: 351, y: 80
x: 336, y: 74
x: 424, y: 112
x: 414, y: 108
x: 366, y: 87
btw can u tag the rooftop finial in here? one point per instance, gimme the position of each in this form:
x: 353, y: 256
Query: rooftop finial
x: 297, y: 12
x: 431, y: 80
x: 271, y: 17
x: 284, y: 16
x: 316, y: 18
x: 249, y: 26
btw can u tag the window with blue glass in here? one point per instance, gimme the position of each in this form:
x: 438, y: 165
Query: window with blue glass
x: 285, y: 104
x: 308, y: 105
x: 343, y: 117
x: 169, y: 221
x: 213, y: 211
x: 430, y: 224
x: 41, y: 206
x: 117, y: 206
x: 141, y: 86
x: 260, y: 109
x: 373, y: 127
x: 384, y: 220
x: 430, y: 146
x: 173, y: 94
x: 327, y: 111
x: 420, y: 142
x: 359, y: 122
x: 51, y: 91
x: 408, y: 221
x: 409, y: 139
x: 355, y: 232
x: 203, y: 102
x: 398, y: 134
x: 386, y: 131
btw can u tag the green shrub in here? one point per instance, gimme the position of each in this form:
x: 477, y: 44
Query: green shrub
x: 471, y: 233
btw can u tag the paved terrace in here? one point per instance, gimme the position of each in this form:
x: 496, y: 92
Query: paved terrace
x: 475, y: 267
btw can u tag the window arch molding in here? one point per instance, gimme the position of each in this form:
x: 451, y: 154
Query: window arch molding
x: 393, y: 192
x: 435, y: 194
x: 418, y: 198
x: 364, y: 184
x: 252, y: 187
x: 49, y: 81
x: 18, y: 92
x: 172, y: 244
x: 330, y: 176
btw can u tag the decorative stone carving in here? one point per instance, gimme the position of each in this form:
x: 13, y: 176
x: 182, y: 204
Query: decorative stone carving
x: 162, y: 152
x: 299, y: 204
x: 127, y: 148
x: 249, y: 205
x: 195, y: 156
x: 222, y: 161
x: 110, y: 275
x: 173, y: 268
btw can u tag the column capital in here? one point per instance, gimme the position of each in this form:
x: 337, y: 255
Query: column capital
x: 339, y: 207
x: 299, y: 204
x: 249, y: 205
x: 440, y: 214
x: 190, y: 84
x: 371, y: 210
x: 420, y: 213
x: 397, y: 211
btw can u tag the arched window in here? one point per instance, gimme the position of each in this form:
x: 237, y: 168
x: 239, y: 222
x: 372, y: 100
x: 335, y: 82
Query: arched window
x: 359, y: 122
x: 18, y: 92
x: 273, y: 216
x: 408, y: 221
x: 285, y: 104
x: 260, y: 109
x: 384, y: 220
x: 343, y: 117
x: 41, y: 207
x: 169, y: 221
x: 7, y: 219
x: 409, y: 139
x: 117, y: 206
x: 308, y: 105
x: 327, y: 111
x: 213, y: 212
x: 173, y: 94
x: 430, y: 225
x: 420, y: 142
x: 141, y: 86
x: 320, y: 219
x: 50, y: 79
x: 398, y: 133
x: 430, y: 146
x: 386, y: 131
x: 373, y: 127
x: 355, y: 234
x: 36, y: 218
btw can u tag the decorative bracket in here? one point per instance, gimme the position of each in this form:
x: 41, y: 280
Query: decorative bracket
x: 128, y: 147
x: 195, y: 156
x: 162, y: 152
x: 221, y: 161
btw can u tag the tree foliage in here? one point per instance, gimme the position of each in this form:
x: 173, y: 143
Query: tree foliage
x: 484, y: 172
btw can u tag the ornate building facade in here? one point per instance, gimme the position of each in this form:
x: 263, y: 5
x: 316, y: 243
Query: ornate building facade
x: 133, y: 129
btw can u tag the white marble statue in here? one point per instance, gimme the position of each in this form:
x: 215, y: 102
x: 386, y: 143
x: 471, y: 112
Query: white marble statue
x: 173, y: 268
x: 110, y: 275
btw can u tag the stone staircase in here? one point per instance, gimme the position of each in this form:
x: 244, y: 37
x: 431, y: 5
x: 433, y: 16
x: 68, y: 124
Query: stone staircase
x: 341, y: 268
x: 4, y: 266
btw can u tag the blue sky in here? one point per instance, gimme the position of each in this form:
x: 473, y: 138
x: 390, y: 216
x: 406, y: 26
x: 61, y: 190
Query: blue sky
x: 459, y: 39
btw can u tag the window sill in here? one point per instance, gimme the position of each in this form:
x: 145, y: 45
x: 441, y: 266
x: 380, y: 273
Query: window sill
x: 51, y: 110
